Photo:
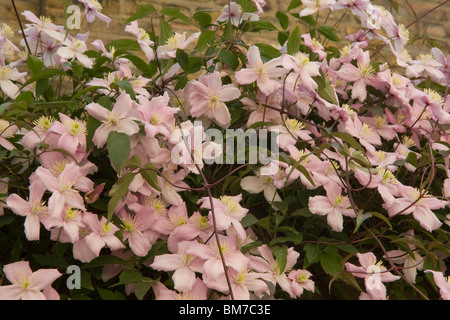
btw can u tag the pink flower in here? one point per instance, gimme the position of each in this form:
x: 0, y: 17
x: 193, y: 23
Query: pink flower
x: 7, y: 76
x: 242, y: 283
x: 263, y: 73
x: 334, y: 205
x: 209, y: 252
x: 62, y: 184
x: 374, y: 274
x: 300, y: 282
x: 134, y: 230
x: 75, y: 48
x: 442, y: 283
x: 34, y: 209
x: 66, y: 226
x: 236, y: 15
x: 228, y: 212
x: 265, y: 263
x: 177, y: 41
x: 303, y: 70
x: 314, y: 45
x: 26, y: 284
x: 7, y: 130
x: 92, y: 10
x: 102, y: 234
x: 207, y: 97
x: 72, y: 134
x: 157, y: 115
x: 199, y: 291
x: 143, y: 39
x: 361, y: 76
x: 120, y: 119
x: 420, y: 205
x: 312, y: 6
x: 184, y: 265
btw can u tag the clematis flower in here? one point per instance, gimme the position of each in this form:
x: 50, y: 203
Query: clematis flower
x: 442, y: 283
x: 7, y: 130
x: 410, y: 264
x: 312, y: 6
x: 334, y: 205
x: 303, y: 70
x: 413, y: 200
x: 7, y: 76
x: 177, y: 41
x: 207, y: 97
x: 75, y: 48
x: 143, y: 39
x: 134, y: 228
x: 66, y: 226
x: 92, y: 10
x: 184, y: 265
x: 26, y: 284
x: 424, y: 65
x: 199, y: 291
x: 101, y: 234
x: 228, y: 212
x: 263, y: 73
x: 72, y: 134
x: 234, y: 13
x: 34, y: 209
x: 242, y: 283
x: 209, y: 253
x: 314, y: 45
x: 361, y: 76
x: 300, y: 282
x: 374, y: 274
x: 265, y: 262
x: 120, y: 119
x: 158, y: 115
x: 64, y: 180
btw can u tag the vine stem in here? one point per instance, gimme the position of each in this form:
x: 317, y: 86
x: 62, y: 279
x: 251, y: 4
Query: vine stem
x: 21, y: 28
x: 208, y: 190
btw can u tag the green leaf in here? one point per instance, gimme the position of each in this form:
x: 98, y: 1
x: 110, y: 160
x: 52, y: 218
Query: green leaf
x: 123, y: 44
x: 204, y: 38
x: 328, y: 32
x: 325, y: 90
x: 360, y: 218
x: 44, y: 74
x: 175, y: 13
x: 312, y: 252
x: 110, y: 295
x: 142, y: 12
x: 142, y: 287
x: 150, y: 175
x: 331, y: 262
x: 267, y: 51
x: 165, y: 32
x: 229, y: 58
x: 294, y: 4
x: 129, y: 276
x: 182, y: 59
x: 283, y: 19
x: 118, y: 145
x: 118, y: 191
x: 249, y: 220
x: 280, y: 254
x: 293, y: 43
x: 349, y: 139
x: 204, y: 19
x: 34, y: 64
x: 105, y: 260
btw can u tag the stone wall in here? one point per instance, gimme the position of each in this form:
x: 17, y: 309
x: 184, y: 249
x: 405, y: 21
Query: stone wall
x: 435, y: 25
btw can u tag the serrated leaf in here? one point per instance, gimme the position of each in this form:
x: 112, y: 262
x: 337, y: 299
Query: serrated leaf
x: 349, y: 139
x: 294, y: 4
x: 204, y: 38
x: 142, y: 287
x: 331, y: 262
x: 118, y: 191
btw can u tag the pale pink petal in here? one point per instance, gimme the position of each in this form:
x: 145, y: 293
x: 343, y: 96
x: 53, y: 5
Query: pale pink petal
x: 183, y: 279
x: 32, y: 227
x: 43, y: 278
x: 18, y: 205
